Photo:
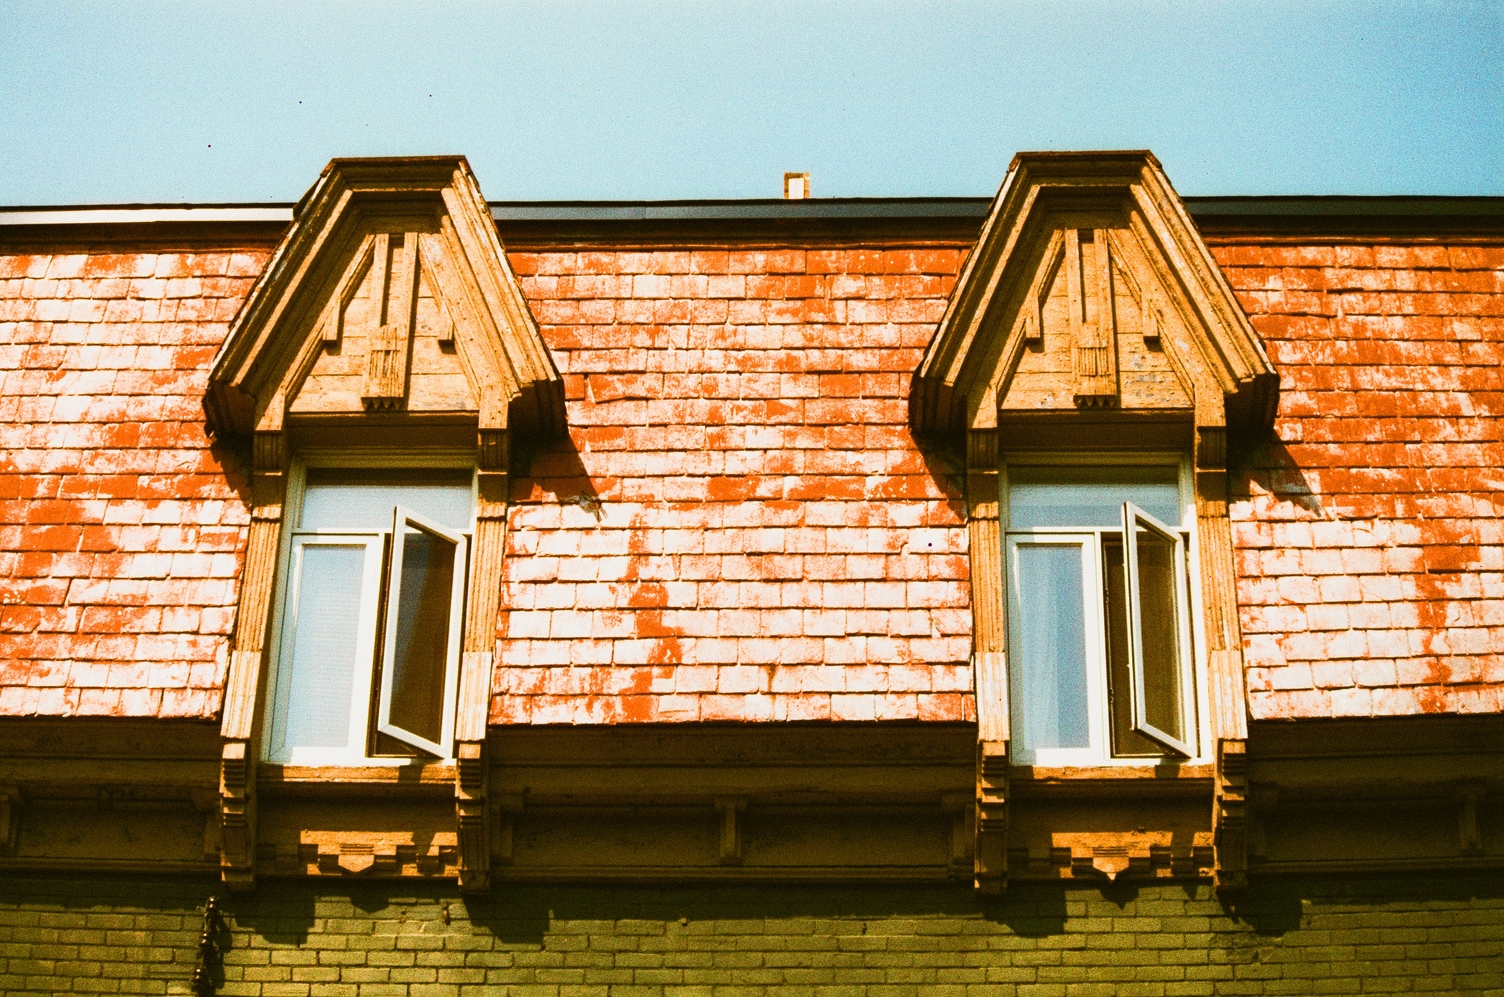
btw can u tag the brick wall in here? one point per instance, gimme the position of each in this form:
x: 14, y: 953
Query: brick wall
x: 1370, y: 543
x: 287, y: 940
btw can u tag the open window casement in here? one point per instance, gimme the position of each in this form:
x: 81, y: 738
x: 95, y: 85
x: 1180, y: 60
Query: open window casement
x: 1103, y: 667
x: 1163, y: 688
x: 420, y: 653
x: 370, y: 620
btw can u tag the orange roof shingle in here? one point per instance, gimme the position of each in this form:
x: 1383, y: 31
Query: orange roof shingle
x: 1370, y: 544
x: 740, y: 526
x: 120, y: 529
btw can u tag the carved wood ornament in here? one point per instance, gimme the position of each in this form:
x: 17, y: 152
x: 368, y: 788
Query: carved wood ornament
x: 1090, y: 306
x: 390, y: 298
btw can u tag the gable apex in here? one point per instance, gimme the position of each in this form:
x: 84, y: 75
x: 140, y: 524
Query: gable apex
x: 1103, y: 239
x: 414, y: 240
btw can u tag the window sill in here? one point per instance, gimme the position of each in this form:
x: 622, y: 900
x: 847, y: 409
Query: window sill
x: 1098, y: 781
x: 403, y: 779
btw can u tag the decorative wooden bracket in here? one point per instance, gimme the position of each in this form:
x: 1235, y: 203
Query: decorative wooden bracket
x: 471, y: 814
x: 1094, y: 341
x: 10, y: 818
x: 237, y: 805
x: 504, y: 810
x: 1039, y: 290
x: 730, y: 809
x: 1469, y: 834
x: 990, y: 869
x: 206, y: 802
x: 395, y: 302
x: 1230, y: 816
x: 962, y: 808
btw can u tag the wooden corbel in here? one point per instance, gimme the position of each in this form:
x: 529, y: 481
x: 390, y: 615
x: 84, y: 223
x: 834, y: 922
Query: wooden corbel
x: 1230, y: 816
x: 1469, y: 834
x: 990, y: 852
x: 10, y: 818
x: 989, y: 665
x: 237, y: 775
x: 471, y: 816
x: 1227, y: 688
x: 730, y: 810
x: 472, y: 809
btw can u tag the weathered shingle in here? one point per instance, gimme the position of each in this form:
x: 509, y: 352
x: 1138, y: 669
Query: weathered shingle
x: 120, y: 529
x: 740, y: 526
x: 1370, y: 544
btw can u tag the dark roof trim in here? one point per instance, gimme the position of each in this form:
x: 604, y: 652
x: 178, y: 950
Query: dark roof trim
x: 948, y: 216
x: 1328, y: 206
x: 740, y: 210
x: 145, y: 214
x: 976, y: 207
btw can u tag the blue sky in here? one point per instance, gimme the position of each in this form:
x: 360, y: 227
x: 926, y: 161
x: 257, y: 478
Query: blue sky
x: 106, y: 103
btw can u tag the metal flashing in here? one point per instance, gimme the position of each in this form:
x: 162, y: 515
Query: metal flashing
x: 144, y: 214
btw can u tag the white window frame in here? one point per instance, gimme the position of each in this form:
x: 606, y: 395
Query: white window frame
x: 443, y: 748
x: 365, y: 649
x: 275, y: 750
x: 1099, y: 752
x: 1096, y: 672
x: 1133, y: 518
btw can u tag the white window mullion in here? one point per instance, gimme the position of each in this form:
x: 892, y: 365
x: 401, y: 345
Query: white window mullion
x: 1096, y: 643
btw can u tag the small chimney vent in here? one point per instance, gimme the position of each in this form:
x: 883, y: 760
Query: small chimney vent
x: 795, y: 186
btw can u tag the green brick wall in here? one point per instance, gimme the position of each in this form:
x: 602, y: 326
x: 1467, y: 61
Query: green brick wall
x: 86, y: 935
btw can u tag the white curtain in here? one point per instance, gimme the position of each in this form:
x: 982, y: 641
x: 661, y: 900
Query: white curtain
x: 1050, y: 645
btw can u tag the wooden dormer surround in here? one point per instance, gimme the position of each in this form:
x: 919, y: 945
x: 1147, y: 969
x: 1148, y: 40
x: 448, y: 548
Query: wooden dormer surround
x: 1091, y: 317
x: 388, y: 320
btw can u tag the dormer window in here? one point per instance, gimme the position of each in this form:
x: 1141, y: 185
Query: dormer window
x: 1100, y: 608
x: 1091, y: 315
x: 388, y: 328
x: 367, y: 635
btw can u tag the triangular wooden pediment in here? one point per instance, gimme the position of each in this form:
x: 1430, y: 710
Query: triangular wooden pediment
x: 1090, y: 288
x: 390, y: 293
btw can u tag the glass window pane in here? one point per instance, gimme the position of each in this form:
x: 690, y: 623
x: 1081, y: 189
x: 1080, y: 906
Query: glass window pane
x: 420, y: 653
x: 343, y: 499
x: 1161, y: 636
x: 1049, y: 646
x: 1047, y: 496
x: 326, y: 638
x: 1126, y: 742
